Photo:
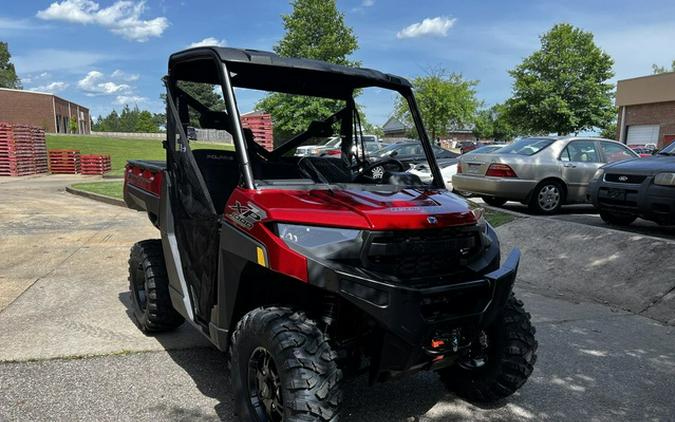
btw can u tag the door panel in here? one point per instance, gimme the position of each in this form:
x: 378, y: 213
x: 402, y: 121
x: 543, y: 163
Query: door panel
x: 580, y: 160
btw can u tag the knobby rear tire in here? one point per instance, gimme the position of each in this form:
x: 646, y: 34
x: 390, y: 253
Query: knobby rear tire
x: 149, y: 286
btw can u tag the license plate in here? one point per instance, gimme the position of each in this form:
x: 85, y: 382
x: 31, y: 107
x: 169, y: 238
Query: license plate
x: 473, y: 169
x: 616, y: 194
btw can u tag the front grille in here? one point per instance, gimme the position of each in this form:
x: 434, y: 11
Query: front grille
x: 421, y: 253
x: 625, y: 178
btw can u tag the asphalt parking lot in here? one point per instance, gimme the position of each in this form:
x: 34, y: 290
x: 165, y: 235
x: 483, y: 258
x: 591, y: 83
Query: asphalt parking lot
x: 586, y: 214
x: 68, y: 350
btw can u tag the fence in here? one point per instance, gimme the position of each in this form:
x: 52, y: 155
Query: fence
x: 131, y: 135
x: 202, y: 135
x: 212, y: 136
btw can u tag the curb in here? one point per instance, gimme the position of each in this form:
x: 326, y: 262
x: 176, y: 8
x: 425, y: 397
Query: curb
x: 503, y: 210
x: 96, y: 197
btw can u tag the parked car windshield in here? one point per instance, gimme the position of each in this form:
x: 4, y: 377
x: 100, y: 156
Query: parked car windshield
x: 669, y: 150
x: 526, y: 146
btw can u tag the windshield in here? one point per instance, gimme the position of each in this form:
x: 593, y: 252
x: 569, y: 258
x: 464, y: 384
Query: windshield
x: 669, y: 150
x: 313, y: 140
x: 526, y: 146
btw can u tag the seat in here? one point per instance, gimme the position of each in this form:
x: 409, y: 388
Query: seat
x: 220, y: 172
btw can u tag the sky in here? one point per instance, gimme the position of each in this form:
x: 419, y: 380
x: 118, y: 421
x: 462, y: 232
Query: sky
x: 106, y: 53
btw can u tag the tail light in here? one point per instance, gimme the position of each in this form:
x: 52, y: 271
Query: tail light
x: 459, y: 168
x: 334, y: 152
x: 500, y: 170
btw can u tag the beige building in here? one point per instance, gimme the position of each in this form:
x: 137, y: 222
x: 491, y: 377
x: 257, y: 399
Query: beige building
x: 646, y: 110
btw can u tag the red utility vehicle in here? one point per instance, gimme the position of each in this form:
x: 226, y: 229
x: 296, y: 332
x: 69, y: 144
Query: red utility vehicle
x: 308, y: 269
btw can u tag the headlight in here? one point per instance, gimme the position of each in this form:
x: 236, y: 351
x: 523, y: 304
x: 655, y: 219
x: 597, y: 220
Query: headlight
x: 313, y: 236
x: 665, y: 179
x: 598, y: 175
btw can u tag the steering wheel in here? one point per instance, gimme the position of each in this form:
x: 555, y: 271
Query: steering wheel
x: 376, y: 169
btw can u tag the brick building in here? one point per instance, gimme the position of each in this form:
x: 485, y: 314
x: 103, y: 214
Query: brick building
x: 42, y: 110
x: 646, y: 110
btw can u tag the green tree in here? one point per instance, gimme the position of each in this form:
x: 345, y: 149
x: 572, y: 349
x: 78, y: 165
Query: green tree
x: 129, y: 120
x: 563, y: 87
x: 656, y: 69
x: 146, y: 122
x: 8, y: 77
x: 205, y: 94
x: 446, y: 101
x: 74, y: 126
x: 609, y: 131
x: 315, y: 29
x: 493, y: 123
x: 484, y: 125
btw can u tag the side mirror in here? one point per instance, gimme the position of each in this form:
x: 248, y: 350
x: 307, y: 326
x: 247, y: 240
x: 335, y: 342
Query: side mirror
x: 393, y: 154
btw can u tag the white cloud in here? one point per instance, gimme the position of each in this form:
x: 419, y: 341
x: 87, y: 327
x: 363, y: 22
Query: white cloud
x: 95, y: 83
x: 434, y: 27
x: 209, y: 41
x: 367, y: 3
x: 41, y: 60
x: 121, y: 75
x: 122, y: 18
x: 52, y: 87
x: 129, y: 99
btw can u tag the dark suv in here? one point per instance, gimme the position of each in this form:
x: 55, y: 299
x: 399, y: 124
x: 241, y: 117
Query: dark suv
x: 626, y: 190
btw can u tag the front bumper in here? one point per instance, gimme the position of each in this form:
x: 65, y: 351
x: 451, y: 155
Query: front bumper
x: 411, y: 317
x: 647, y: 200
x: 499, y: 187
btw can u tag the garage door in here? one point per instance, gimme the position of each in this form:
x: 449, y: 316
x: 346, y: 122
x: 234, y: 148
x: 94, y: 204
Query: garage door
x: 642, y: 134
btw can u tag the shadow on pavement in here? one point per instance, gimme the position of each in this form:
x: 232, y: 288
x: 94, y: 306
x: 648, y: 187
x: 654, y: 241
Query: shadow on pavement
x: 587, y: 370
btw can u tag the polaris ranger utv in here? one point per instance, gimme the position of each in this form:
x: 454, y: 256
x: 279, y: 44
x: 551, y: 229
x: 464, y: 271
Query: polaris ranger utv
x: 305, y: 270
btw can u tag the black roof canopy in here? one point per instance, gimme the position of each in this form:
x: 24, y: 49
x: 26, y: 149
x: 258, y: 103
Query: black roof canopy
x: 268, y: 71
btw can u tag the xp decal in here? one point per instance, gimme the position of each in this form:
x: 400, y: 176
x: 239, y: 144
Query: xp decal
x: 246, y: 215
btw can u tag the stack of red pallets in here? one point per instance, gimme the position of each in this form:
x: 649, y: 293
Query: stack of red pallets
x: 94, y: 164
x: 17, y: 157
x: 261, y: 126
x: 64, y: 161
x: 40, y: 151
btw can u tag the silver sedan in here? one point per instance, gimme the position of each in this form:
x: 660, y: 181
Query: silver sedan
x: 542, y: 172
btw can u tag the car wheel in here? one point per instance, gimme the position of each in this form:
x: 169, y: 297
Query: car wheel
x: 617, y: 219
x: 495, y: 202
x: 149, y: 285
x: 502, y: 362
x: 547, y: 198
x: 282, y: 368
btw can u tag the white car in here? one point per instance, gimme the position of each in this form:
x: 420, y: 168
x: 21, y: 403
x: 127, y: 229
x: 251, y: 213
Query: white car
x: 448, y: 168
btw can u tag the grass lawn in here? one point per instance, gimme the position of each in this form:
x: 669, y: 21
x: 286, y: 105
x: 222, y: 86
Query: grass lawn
x: 497, y: 218
x: 112, y: 189
x: 119, y: 149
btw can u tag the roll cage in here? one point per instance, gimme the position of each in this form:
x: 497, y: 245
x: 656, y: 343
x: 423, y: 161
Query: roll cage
x: 252, y: 69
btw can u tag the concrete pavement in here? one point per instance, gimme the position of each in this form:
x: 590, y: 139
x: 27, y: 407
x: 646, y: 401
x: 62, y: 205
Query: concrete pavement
x: 69, y: 351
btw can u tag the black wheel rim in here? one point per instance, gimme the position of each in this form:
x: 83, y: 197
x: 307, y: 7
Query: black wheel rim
x: 139, y: 288
x: 264, y: 386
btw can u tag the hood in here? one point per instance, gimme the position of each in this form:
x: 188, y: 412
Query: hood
x: 646, y: 166
x: 365, y: 209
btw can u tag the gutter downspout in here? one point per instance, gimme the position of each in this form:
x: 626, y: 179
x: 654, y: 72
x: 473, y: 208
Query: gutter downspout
x: 622, y: 129
x: 56, y: 125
